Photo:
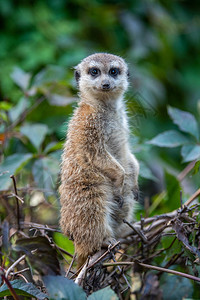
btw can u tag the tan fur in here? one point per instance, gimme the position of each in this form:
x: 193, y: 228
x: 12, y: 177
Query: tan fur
x: 99, y: 174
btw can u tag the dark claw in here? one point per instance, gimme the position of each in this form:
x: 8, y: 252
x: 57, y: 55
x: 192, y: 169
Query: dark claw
x: 120, y: 200
x: 136, y: 194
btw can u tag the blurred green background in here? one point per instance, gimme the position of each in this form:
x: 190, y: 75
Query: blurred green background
x: 41, y: 42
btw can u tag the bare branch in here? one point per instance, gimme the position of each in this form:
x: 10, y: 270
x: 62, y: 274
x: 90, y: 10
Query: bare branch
x: 32, y: 225
x: 12, y: 291
x: 17, y: 201
x: 170, y: 271
x: 121, y: 263
x: 71, y: 264
x: 14, y: 265
x: 193, y: 197
x: 97, y: 257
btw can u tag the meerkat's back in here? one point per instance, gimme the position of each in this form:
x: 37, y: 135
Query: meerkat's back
x: 99, y: 174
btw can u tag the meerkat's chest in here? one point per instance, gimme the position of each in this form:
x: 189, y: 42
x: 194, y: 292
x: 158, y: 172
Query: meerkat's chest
x: 116, y: 133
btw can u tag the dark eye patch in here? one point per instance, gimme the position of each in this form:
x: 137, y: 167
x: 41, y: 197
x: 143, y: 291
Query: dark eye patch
x: 114, y: 72
x: 94, y: 71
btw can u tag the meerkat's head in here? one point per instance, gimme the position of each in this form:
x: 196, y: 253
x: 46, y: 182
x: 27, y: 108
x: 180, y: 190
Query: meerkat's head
x: 102, y: 76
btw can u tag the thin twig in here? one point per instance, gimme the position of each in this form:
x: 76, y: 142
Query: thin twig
x: 38, y: 226
x: 138, y: 231
x: 153, y: 268
x: 97, y: 257
x: 17, y: 201
x: 19, y: 272
x: 170, y: 271
x: 172, y: 261
x: 61, y: 254
x: 26, y: 112
x: 118, y: 263
x: 142, y: 227
x: 86, y: 265
x: 187, y: 169
x: 16, y: 196
x: 126, y: 280
x: 81, y: 275
x: 11, y: 289
x: 103, y: 255
x: 14, y: 264
x: 76, y: 273
x: 162, y: 217
x: 156, y: 234
x: 62, y: 250
x: 70, y: 266
x: 181, y: 198
x: 192, y: 198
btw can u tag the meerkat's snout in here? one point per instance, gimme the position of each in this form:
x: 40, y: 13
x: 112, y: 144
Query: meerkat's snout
x: 105, y: 85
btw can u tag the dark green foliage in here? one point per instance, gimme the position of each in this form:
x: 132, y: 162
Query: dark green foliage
x: 22, y: 289
x: 176, y: 287
x: 173, y: 192
x: 62, y: 288
x: 187, y: 123
x: 63, y: 242
x: 40, y: 254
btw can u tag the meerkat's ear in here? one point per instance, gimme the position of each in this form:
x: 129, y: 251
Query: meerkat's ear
x: 77, y: 75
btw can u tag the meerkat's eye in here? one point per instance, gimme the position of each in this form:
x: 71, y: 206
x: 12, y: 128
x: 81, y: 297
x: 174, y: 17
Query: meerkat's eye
x: 114, y: 71
x: 94, y: 71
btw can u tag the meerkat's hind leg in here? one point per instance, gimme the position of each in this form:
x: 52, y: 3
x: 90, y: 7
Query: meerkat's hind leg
x: 90, y: 224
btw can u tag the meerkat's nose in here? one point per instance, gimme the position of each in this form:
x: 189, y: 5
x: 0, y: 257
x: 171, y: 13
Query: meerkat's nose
x: 105, y: 85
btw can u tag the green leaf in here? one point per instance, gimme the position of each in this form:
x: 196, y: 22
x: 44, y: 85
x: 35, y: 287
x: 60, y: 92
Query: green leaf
x: 185, y: 150
x: 50, y: 74
x: 176, y: 287
x: 21, y: 78
x: 190, y: 152
x: 175, y: 248
x: 63, y: 242
x: 45, y: 171
x: 103, y: 294
x: 173, y: 191
x: 185, y: 121
x: 171, y: 138
x: 145, y: 172
x: 56, y: 155
x: 16, y: 111
x: 59, y: 287
x: 53, y: 146
x: 196, y: 168
x: 12, y: 165
x: 22, y: 289
x: 41, y: 255
x: 4, y: 105
x: 35, y: 133
x: 60, y: 100
x: 166, y: 241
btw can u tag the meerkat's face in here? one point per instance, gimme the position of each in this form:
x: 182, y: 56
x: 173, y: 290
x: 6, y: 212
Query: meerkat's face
x: 102, y: 75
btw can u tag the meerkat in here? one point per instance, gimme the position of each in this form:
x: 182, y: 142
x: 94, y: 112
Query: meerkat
x: 99, y: 174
